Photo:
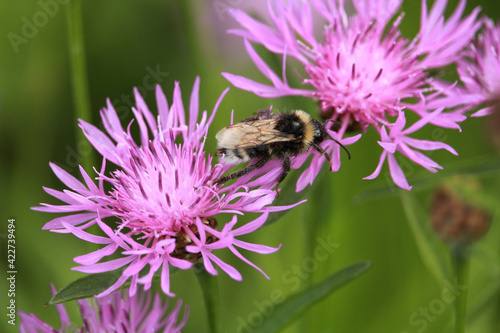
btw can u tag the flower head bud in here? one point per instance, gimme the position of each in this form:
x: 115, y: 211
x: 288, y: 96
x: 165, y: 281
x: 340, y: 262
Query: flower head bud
x: 455, y: 217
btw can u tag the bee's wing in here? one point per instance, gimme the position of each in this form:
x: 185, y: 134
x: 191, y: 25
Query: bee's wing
x: 252, y: 133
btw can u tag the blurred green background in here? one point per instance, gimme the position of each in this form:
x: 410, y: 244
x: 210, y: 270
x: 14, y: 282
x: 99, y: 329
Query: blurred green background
x: 127, y: 41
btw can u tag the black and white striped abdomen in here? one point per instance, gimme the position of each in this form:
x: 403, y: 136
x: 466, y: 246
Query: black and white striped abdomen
x: 233, y: 156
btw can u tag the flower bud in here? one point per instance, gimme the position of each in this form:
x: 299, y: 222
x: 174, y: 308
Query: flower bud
x: 456, y: 219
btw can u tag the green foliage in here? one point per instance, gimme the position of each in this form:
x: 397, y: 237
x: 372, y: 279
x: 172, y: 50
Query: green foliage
x: 295, y: 305
x: 87, y: 286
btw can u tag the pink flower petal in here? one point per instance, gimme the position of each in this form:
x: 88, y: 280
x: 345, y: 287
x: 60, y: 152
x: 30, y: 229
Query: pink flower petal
x: 397, y: 174
x: 379, y: 166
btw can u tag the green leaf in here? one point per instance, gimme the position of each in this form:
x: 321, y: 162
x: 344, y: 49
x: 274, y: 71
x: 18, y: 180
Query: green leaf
x: 429, y: 246
x: 297, y: 304
x: 485, y: 300
x: 93, y: 284
x: 84, y: 287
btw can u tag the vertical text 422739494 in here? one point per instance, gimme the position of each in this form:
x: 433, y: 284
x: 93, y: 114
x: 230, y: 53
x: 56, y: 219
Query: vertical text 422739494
x: 11, y: 271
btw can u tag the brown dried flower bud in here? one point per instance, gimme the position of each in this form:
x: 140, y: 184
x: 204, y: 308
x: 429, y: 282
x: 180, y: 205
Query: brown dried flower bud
x: 456, y: 219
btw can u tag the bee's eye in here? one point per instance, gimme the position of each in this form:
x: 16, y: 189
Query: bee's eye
x: 295, y: 124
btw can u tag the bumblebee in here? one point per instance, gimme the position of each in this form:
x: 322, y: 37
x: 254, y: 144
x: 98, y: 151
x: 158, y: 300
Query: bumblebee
x: 288, y: 134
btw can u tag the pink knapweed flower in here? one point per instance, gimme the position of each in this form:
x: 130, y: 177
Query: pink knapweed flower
x: 398, y: 140
x: 362, y: 71
x: 159, y: 211
x: 113, y: 313
x: 479, y: 71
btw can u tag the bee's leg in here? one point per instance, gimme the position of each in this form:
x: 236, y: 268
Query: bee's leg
x: 324, y: 153
x: 252, y: 118
x: 286, y: 166
x: 259, y: 114
x: 244, y: 171
x: 263, y: 113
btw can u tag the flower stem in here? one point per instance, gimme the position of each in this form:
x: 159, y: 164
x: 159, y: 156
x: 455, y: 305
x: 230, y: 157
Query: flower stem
x: 317, y: 214
x: 461, y: 266
x: 210, y: 290
x: 79, y: 80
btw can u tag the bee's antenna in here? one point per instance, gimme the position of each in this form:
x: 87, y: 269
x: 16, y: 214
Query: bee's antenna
x: 335, y: 124
x: 329, y: 136
x: 341, y: 145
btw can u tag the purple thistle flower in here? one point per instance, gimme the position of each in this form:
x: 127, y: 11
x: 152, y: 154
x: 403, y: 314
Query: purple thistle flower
x: 479, y: 71
x: 113, y: 313
x: 163, y: 197
x: 362, y: 70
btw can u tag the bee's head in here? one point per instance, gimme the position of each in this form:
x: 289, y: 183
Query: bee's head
x: 320, y: 133
x: 307, y: 127
x: 314, y: 130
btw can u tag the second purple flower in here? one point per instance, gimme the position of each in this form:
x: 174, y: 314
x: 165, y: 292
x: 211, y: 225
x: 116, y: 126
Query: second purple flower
x: 361, y: 69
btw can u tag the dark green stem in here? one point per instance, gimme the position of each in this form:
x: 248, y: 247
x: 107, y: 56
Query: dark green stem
x: 79, y: 80
x: 496, y: 314
x: 317, y: 210
x: 210, y: 290
x: 192, y: 36
x: 461, y: 267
